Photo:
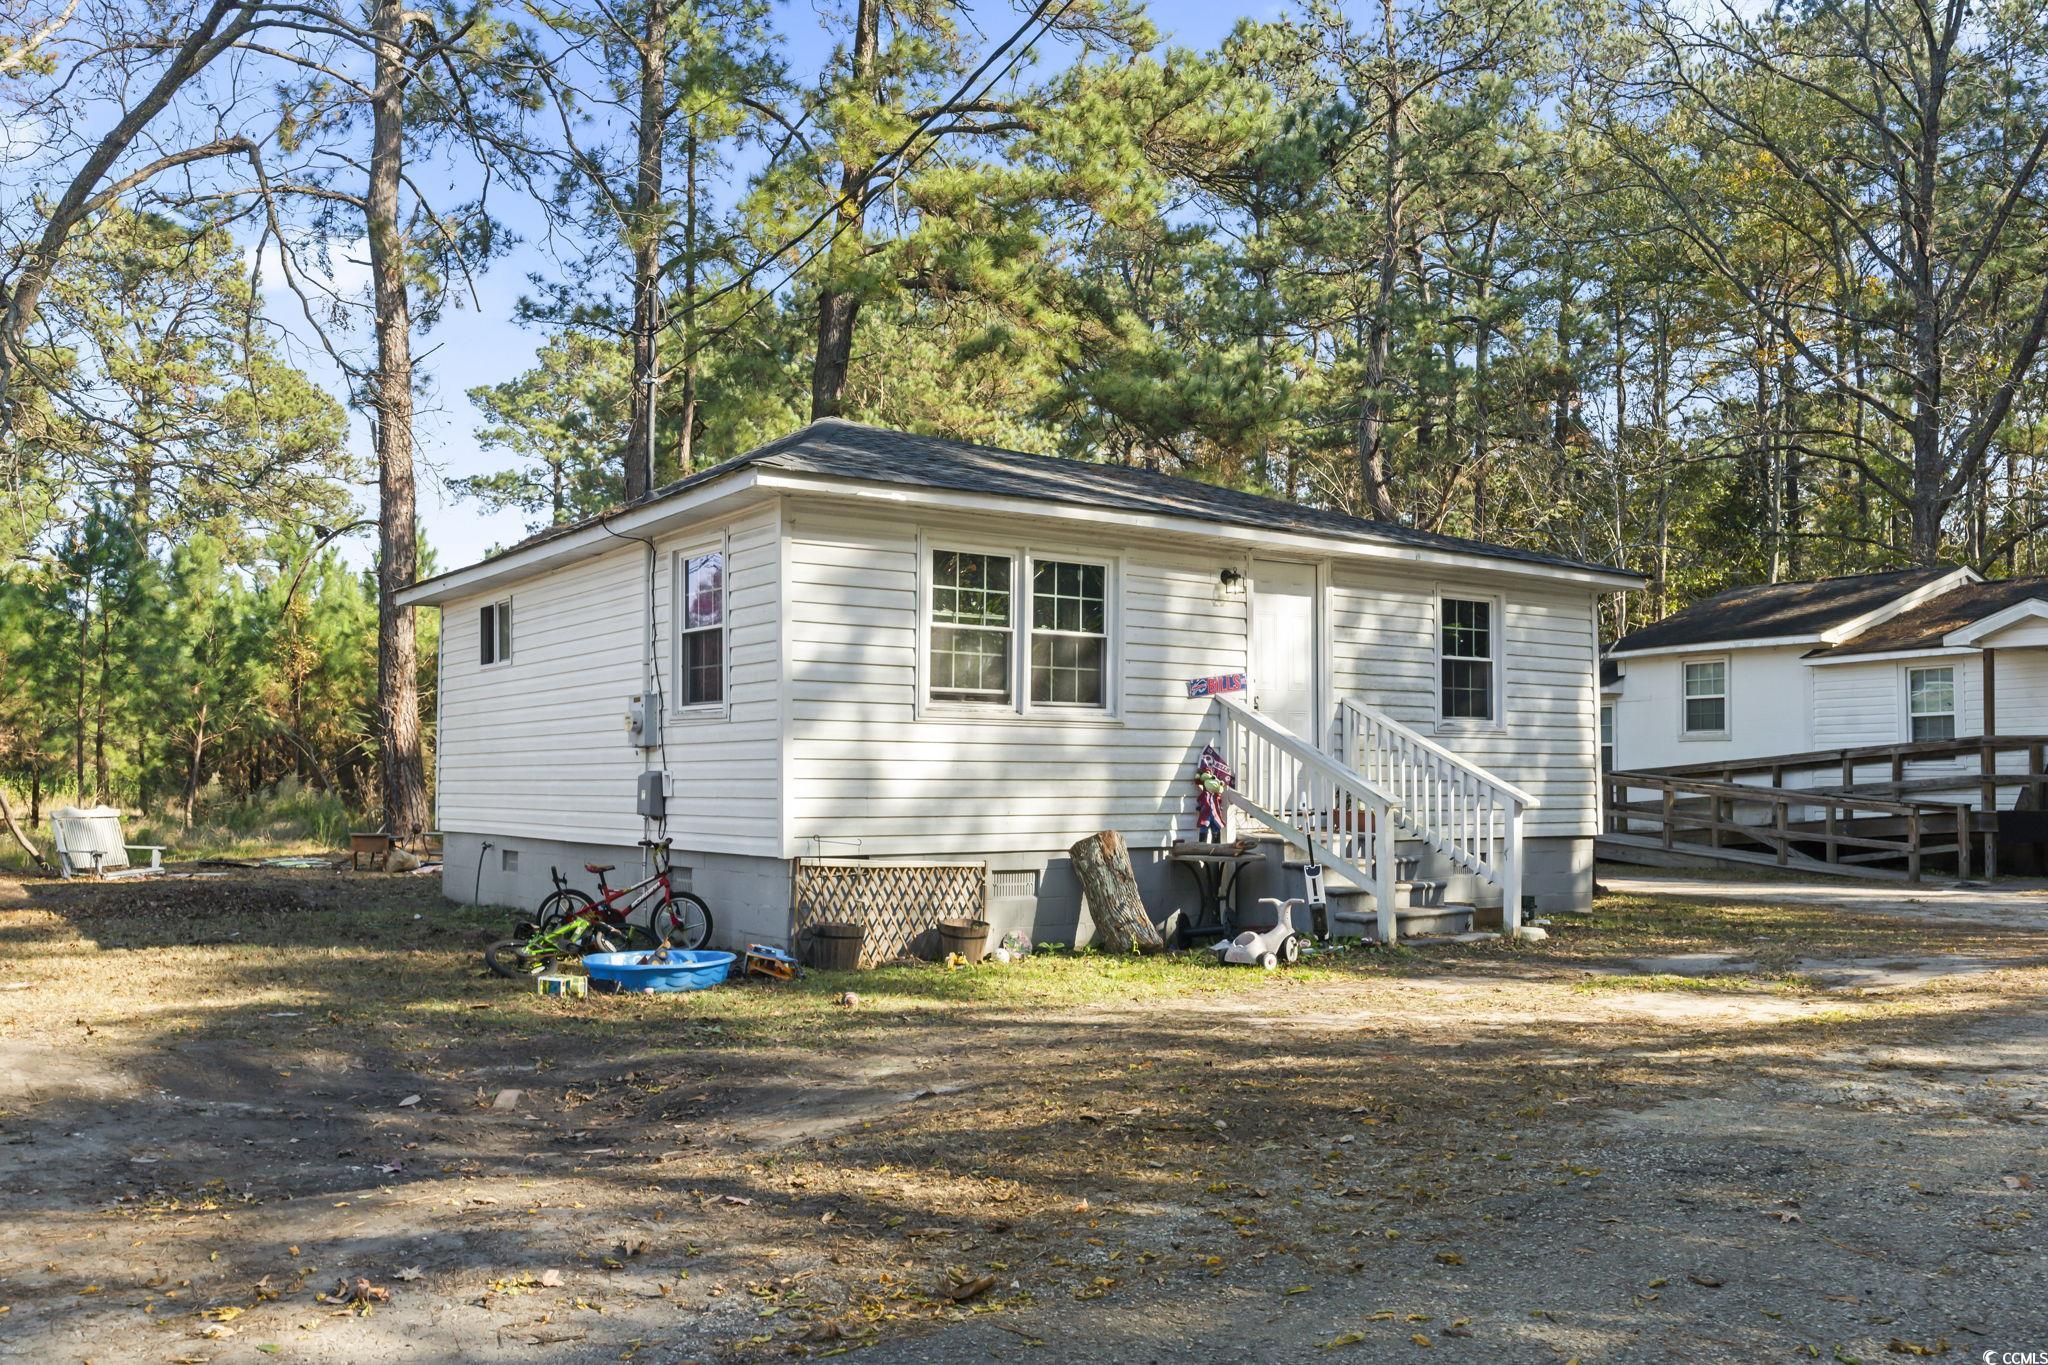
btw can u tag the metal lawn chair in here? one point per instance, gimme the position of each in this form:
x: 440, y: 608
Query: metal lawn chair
x: 90, y: 840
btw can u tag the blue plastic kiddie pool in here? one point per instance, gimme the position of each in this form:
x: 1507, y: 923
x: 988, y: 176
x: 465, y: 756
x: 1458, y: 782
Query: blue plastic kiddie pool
x: 691, y: 970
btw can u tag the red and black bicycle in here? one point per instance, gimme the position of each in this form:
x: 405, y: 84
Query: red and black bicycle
x: 570, y: 923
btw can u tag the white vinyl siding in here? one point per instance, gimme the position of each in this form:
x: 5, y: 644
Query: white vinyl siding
x: 874, y: 772
x: 540, y: 751
x: 1383, y: 645
x: 828, y: 745
x: 1857, y: 704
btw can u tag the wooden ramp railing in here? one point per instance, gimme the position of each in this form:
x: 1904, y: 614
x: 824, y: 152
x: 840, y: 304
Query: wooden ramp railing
x: 1841, y: 825
x: 1985, y: 766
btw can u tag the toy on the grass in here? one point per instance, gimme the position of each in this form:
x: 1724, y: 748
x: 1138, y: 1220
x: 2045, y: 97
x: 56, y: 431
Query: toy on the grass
x: 1266, y: 948
x: 772, y: 963
x: 1212, y: 778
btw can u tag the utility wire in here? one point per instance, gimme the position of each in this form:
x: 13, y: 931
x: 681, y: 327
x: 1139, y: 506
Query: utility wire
x: 866, y: 195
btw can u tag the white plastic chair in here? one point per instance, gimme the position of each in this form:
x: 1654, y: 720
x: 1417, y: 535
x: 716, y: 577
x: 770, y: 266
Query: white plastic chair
x: 90, y: 840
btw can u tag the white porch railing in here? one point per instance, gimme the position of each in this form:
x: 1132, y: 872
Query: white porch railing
x: 1443, y: 799
x: 1289, y: 785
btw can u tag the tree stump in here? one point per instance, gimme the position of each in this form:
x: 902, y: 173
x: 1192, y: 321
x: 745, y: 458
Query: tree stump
x: 1103, y: 863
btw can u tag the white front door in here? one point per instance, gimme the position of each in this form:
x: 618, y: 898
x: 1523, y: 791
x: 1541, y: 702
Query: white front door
x: 1284, y: 648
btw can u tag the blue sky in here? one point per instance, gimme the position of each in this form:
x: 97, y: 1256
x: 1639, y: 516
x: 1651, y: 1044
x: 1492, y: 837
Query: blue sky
x: 483, y: 344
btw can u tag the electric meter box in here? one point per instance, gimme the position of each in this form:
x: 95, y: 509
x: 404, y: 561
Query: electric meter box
x: 643, y: 720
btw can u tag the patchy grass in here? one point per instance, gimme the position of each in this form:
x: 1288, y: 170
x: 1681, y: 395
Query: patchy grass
x: 1719, y: 983
x: 244, y: 1078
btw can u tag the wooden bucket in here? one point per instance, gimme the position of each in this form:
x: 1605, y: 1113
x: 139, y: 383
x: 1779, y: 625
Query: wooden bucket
x: 967, y: 937
x: 833, y: 945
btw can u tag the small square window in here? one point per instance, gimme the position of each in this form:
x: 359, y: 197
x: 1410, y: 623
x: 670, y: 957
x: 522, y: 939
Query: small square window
x: 494, y: 633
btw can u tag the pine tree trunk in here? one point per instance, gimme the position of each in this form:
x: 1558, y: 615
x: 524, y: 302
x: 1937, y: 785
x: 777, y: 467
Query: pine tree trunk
x: 195, y: 757
x: 646, y: 227
x: 78, y: 704
x: 1103, y: 863
x: 1369, y: 438
x: 686, y: 438
x: 839, y: 309
x: 398, y: 701
x: 35, y: 855
x: 100, y: 784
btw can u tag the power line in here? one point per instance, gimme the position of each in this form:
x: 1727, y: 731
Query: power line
x: 867, y: 196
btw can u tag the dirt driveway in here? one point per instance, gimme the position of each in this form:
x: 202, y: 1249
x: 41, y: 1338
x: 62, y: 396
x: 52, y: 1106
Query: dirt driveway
x: 284, y: 1117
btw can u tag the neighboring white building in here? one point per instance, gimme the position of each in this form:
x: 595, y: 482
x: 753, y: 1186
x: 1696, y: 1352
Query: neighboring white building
x: 1925, y: 655
x: 878, y: 646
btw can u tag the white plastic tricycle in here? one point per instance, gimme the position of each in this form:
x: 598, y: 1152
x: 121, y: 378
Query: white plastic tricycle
x: 1267, y: 947
x: 1281, y: 943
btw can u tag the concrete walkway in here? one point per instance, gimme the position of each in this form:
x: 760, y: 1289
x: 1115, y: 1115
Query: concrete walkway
x: 2011, y: 903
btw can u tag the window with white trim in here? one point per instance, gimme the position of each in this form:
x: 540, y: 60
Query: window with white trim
x: 1465, y: 653
x: 700, y: 629
x: 1706, y: 697
x: 494, y: 633
x: 973, y: 628
x: 1607, y: 737
x: 1069, y: 633
x: 1931, y: 703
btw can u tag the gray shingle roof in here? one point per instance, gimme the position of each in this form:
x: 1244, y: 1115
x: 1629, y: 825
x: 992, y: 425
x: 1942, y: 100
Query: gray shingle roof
x: 1924, y: 626
x: 851, y: 450
x: 1772, y: 610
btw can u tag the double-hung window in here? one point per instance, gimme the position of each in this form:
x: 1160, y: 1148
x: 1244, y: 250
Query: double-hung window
x: 1931, y: 703
x: 1607, y: 737
x: 1706, y: 697
x: 700, y: 629
x: 973, y: 628
x: 1020, y: 633
x: 1069, y: 633
x: 1466, y: 659
x: 494, y: 633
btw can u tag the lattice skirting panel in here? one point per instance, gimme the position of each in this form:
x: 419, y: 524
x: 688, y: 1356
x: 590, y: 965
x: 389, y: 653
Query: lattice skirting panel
x: 898, y: 903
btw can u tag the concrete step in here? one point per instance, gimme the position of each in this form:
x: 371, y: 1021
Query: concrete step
x: 1417, y: 894
x: 1431, y: 921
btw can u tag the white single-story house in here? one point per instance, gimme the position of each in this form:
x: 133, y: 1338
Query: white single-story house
x: 869, y: 647
x: 1921, y: 656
